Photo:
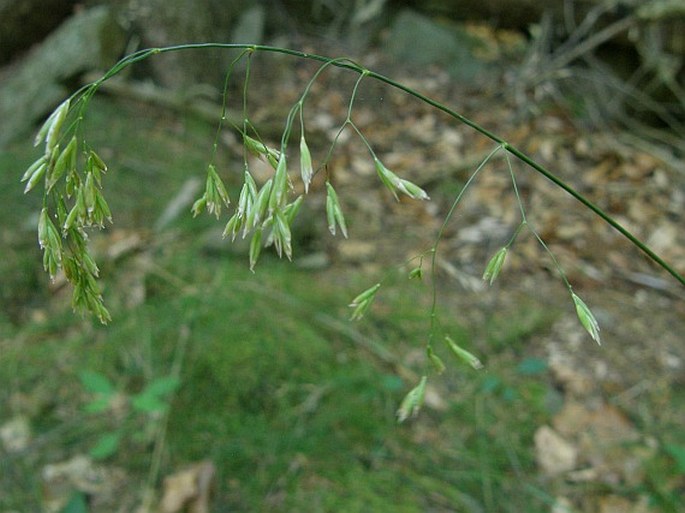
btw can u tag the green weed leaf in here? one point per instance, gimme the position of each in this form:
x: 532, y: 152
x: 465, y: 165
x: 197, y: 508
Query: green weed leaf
x: 77, y: 504
x: 153, y: 397
x: 161, y: 387
x: 99, y: 405
x: 677, y: 452
x: 106, y: 446
x: 96, y: 383
x: 148, y: 403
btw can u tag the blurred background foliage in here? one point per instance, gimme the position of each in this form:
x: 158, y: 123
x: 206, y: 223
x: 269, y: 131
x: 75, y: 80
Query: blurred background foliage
x: 614, y: 61
x: 292, y: 407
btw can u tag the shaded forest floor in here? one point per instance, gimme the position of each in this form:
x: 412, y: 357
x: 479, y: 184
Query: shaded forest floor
x: 288, y: 407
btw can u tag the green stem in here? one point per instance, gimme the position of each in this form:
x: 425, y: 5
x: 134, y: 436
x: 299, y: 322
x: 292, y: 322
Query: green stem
x: 345, y: 64
x: 597, y: 210
x: 354, y: 94
x: 438, y: 238
x: 522, y: 210
x: 516, y: 233
x: 299, y: 105
x: 348, y: 121
x: 224, y: 99
x: 524, y: 222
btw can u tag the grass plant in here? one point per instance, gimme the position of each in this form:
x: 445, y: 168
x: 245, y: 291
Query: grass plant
x: 295, y: 407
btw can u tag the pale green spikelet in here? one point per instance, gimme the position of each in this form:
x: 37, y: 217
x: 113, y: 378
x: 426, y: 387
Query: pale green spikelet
x: 279, y: 189
x: 587, y: 319
x: 42, y: 161
x: 255, y: 247
x: 413, y: 401
x: 334, y: 214
x: 363, y: 301
x: 437, y: 362
x: 215, y: 192
x: 463, y: 354
x: 306, y: 169
x: 394, y: 183
x: 416, y: 272
x: 50, y: 129
x: 494, y: 266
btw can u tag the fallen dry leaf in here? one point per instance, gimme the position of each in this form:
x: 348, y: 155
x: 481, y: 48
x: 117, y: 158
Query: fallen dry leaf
x: 605, y: 442
x: 188, y: 490
x: 553, y: 453
x: 80, y: 473
x: 15, y: 434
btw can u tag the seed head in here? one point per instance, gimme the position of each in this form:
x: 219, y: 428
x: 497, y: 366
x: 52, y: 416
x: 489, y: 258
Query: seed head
x: 587, y: 319
x: 495, y: 265
x: 412, y: 402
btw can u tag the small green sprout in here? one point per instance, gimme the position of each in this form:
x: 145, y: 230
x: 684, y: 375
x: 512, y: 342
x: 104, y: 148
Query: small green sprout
x: 279, y: 189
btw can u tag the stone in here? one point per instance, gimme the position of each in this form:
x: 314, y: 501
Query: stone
x: 554, y: 454
x: 31, y: 88
x: 15, y: 434
x: 417, y: 40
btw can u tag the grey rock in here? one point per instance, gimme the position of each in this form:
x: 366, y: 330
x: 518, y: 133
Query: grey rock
x: 32, y: 87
